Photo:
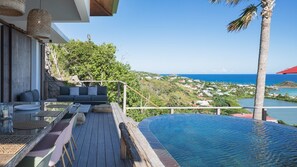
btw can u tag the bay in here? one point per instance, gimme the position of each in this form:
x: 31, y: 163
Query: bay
x: 284, y: 91
x: 287, y: 115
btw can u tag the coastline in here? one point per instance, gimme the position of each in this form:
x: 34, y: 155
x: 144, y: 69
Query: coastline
x: 214, y: 93
x: 271, y: 79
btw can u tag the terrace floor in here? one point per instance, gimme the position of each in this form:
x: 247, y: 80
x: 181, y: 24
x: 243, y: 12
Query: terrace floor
x: 98, y: 141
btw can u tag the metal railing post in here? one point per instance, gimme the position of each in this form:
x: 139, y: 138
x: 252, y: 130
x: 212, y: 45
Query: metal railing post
x: 264, y: 114
x: 171, y: 111
x: 119, y: 91
x: 46, y: 87
x: 218, y: 111
x: 125, y: 98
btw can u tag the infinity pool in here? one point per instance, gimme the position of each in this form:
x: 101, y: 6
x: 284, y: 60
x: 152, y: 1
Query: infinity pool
x: 208, y: 140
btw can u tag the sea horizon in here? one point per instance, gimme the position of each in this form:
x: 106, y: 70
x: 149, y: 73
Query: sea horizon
x: 271, y: 79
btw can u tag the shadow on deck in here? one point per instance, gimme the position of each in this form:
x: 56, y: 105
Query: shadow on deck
x: 98, y: 142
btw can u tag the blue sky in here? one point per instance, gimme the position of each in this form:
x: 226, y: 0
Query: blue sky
x: 189, y: 36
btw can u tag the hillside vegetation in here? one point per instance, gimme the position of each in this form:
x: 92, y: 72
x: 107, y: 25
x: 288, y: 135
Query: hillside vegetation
x: 89, y: 61
x: 167, y: 93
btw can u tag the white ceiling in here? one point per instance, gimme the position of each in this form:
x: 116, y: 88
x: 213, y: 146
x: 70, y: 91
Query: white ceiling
x: 62, y: 11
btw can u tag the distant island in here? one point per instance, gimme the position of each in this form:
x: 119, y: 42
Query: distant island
x: 287, y: 84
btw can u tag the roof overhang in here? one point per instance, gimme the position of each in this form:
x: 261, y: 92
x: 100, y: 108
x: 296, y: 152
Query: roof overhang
x: 62, y: 11
x: 65, y: 11
x: 103, y: 7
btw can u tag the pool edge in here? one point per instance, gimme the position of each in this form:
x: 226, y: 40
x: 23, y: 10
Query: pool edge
x: 165, y: 157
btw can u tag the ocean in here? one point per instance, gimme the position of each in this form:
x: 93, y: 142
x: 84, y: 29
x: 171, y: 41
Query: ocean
x: 271, y: 79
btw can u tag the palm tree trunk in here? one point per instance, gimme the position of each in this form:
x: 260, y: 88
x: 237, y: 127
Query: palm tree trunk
x: 267, y: 6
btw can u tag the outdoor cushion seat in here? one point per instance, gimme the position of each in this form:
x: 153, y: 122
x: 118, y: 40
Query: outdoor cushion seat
x: 86, y: 95
x: 99, y: 98
x: 82, y: 98
x: 65, y: 98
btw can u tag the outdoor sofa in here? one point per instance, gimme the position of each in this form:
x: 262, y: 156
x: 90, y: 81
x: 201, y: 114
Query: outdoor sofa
x: 84, y: 95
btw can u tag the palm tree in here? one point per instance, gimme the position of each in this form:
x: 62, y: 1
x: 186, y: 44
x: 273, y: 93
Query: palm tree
x: 242, y: 23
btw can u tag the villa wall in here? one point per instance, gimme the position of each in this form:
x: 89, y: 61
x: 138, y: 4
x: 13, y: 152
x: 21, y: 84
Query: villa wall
x: 5, y: 67
x: 20, y: 64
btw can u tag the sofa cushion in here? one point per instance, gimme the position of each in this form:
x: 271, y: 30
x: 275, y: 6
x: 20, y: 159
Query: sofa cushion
x: 64, y: 90
x: 74, y: 91
x: 65, y: 98
x: 82, y: 98
x: 26, y: 96
x: 83, y: 90
x: 35, y: 94
x: 99, y: 98
x: 92, y: 90
x: 101, y: 90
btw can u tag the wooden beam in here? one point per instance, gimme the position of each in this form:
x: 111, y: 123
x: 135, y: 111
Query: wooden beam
x: 137, y: 147
x: 98, y: 9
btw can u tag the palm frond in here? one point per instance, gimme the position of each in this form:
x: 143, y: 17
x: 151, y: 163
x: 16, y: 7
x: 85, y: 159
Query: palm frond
x: 231, y: 2
x: 244, y: 20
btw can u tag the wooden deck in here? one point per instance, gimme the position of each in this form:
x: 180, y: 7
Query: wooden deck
x: 98, y: 141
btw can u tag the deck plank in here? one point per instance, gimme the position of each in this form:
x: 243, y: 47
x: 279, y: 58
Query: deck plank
x: 80, y: 141
x: 110, y: 162
x: 92, y: 158
x: 101, y: 146
x: 86, y: 147
x: 98, y: 141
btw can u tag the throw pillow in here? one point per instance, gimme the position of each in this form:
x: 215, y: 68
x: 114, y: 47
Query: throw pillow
x: 92, y: 90
x: 74, y: 91
x: 102, y: 90
x: 35, y: 94
x: 26, y: 96
x: 64, y: 90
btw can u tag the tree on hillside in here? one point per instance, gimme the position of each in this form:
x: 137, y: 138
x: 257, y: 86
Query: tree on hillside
x: 242, y: 23
x: 97, y: 62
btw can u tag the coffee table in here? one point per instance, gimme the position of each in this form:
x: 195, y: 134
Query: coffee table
x: 83, y: 108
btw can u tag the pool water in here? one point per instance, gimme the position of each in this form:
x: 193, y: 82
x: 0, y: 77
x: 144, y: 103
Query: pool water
x: 209, y: 140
